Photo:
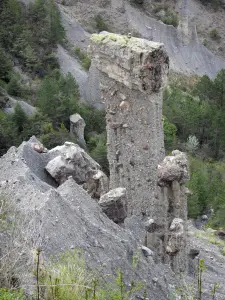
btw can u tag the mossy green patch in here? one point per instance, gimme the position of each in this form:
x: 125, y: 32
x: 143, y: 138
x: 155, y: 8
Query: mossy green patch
x: 119, y: 39
x: 97, y: 38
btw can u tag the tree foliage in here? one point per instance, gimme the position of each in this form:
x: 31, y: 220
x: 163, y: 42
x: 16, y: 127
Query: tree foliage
x: 31, y: 35
x: 199, y: 116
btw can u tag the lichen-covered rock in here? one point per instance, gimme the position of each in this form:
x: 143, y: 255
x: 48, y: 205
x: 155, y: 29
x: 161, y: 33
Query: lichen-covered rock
x: 114, y: 204
x: 142, y: 66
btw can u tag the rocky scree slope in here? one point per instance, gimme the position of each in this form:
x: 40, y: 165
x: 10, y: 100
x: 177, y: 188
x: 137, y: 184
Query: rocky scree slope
x: 187, y: 55
x: 121, y: 17
x: 61, y: 218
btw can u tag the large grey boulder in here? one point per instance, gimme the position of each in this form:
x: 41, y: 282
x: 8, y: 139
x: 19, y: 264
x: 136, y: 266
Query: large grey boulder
x: 173, y: 168
x: 114, y: 204
x: 71, y: 160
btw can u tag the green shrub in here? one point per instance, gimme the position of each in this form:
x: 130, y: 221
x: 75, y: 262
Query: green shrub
x: 56, y: 138
x: 170, y: 19
x: 169, y: 134
x: 216, y: 4
x: 5, y: 66
x: 214, y: 34
x: 168, y: 16
x: 98, y: 151
x: 84, y: 58
x: 208, y: 190
x: 6, y: 294
x: 205, y: 42
x: 14, y: 87
x: 100, y: 24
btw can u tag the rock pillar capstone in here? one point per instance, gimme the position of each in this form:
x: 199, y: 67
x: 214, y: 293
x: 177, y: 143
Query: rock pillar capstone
x: 133, y: 73
x: 77, y: 125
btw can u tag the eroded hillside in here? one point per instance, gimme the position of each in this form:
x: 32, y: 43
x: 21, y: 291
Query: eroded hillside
x: 187, y: 53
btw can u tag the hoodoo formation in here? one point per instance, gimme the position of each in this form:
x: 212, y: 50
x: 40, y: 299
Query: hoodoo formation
x: 133, y: 73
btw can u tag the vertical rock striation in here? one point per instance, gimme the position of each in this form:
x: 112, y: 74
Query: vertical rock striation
x: 133, y: 73
x: 166, y: 233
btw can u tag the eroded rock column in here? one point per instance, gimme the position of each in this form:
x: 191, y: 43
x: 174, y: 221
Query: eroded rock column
x: 166, y: 232
x: 133, y: 73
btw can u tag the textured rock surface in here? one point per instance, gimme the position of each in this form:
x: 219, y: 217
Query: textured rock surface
x: 132, y: 74
x: 114, y: 204
x: 214, y: 261
x: 77, y: 125
x: 71, y: 160
x: 122, y: 17
x: 173, y: 168
x: 56, y: 219
x: 167, y: 231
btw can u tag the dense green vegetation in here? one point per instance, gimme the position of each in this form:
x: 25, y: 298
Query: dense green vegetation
x: 165, y: 14
x: 35, y: 32
x: 197, y: 111
x: 31, y: 35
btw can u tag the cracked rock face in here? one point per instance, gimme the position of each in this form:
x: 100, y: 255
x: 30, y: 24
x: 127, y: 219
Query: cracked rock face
x: 167, y: 231
x: 70, y: 160
x: 132, y: 73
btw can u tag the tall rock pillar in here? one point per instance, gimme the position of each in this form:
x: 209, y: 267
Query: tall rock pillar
x: 133, y: 73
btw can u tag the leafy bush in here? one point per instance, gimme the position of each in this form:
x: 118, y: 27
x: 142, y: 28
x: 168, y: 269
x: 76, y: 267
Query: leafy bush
x: 169, y: 134
x: 214, y: 34
x: 100, y: 24
x: 34, y: 34
x: 192, y: 144
x: 14, y: 87
x: 170, y: 19
x: 6, y: 294
x: 6, y: 66
x: 58, y: 98
x: 98, y: 150
x: 84, y: 59
x: 168, y: 16
x: 56, y: 138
